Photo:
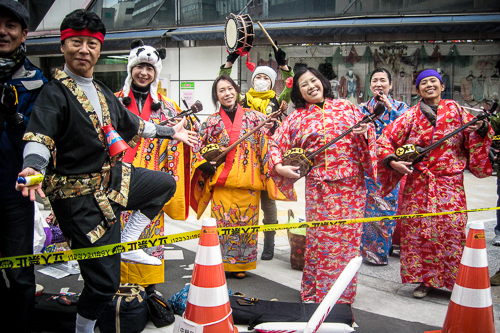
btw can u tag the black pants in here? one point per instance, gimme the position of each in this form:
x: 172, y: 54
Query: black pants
x: 149, y: 191
x: 17, y: 300
x: 268, y: 206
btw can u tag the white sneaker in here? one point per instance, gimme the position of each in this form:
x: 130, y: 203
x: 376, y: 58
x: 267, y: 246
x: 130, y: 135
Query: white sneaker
x: 141, y: 257
x: 496, y: 239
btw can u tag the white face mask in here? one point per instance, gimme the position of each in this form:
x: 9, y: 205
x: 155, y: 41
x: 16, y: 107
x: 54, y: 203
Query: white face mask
x: 261, y: 85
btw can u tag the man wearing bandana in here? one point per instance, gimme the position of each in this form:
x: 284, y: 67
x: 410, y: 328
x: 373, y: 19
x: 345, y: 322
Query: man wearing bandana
x: 86, y: 182
x: 20, y: 82
x: 431, y: 247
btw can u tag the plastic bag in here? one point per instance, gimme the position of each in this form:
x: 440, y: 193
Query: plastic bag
x: 43, y: 235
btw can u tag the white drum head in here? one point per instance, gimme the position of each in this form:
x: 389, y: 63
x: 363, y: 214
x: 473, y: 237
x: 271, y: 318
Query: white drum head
x: 231, y: 34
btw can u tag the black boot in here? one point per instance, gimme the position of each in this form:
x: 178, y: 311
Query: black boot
x: 268, y: 252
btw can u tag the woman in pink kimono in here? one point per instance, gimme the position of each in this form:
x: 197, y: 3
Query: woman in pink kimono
x: 431, y: 248
x: 335, y: 186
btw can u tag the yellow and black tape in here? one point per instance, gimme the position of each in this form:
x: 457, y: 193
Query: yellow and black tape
x: 107, y: 250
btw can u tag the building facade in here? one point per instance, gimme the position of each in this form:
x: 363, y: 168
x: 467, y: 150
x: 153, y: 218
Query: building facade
x: 340, y: 37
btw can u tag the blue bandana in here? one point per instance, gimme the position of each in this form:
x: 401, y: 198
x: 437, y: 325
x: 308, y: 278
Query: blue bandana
x: 427, y: 73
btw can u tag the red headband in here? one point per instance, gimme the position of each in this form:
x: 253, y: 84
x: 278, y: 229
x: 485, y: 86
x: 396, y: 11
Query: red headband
x: 67, y: 33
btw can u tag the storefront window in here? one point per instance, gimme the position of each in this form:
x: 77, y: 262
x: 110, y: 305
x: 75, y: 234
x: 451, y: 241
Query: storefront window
x: 109, y: 69
x: 120, y: 14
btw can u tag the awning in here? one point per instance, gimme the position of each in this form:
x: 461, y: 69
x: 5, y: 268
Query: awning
x: 362, y: 25
x: 112, y: 41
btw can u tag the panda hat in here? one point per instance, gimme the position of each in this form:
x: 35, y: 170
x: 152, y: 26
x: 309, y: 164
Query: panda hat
x: 139, y: 54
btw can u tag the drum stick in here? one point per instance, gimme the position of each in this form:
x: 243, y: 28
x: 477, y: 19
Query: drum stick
x: 248, y: 3
x: 267, y: 35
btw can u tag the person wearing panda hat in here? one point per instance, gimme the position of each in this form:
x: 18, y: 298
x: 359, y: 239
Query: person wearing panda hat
x: 261, y: 97
x: 140, y: 95
x: 143, y: 71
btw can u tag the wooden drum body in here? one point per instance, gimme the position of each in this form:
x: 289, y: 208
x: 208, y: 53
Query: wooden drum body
x: 238, y: 33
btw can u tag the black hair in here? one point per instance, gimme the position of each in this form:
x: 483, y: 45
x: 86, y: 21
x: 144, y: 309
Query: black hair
x: 81, y: 19
x: 296, y: 95
x: 381, y: 70
x: 225, y: 77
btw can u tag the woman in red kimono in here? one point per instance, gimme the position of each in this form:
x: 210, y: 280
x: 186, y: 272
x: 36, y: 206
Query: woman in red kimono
x: 335, y: 186
x: 431, y: 248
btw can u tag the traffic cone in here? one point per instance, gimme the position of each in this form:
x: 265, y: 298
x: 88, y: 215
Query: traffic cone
x: 208, y: 299
x: 471, y: 306
x: 115, y: 142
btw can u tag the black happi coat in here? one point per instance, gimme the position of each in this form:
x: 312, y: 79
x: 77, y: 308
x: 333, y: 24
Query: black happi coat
x: 73, y: 134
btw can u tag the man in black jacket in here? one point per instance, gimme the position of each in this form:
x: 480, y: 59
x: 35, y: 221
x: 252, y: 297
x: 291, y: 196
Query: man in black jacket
x: 86, y: 182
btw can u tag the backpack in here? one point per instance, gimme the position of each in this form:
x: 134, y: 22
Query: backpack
x: 127, y: 312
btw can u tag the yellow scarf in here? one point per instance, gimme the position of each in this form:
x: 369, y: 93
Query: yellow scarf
x: 259, y: 100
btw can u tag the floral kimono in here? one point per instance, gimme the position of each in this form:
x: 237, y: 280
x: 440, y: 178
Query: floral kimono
x: 233, y: 192
x: 161, y: 155
x: 431, y: 248
x: 335, y: 189
x: 377, y: 236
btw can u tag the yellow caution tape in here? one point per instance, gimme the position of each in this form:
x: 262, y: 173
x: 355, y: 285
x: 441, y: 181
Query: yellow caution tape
x: 107, y: 250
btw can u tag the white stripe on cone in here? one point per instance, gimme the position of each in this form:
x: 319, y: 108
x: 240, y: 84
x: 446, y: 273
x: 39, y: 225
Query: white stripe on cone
x: 208, y: 255
x: 474, y: 258
x: 299, y: 328
x: 208, y: 297
x: 472, y: 298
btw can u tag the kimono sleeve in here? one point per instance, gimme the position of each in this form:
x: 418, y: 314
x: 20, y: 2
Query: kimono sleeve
x: 399, y: 108
x: 278, y: 144
x: 200, y: 191
x: 477, y: 148
x: 367, y: 146
x: 393, y: 136
x: 47, y: 117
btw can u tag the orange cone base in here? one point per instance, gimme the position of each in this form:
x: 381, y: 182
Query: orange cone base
x: 204, y: 315
x: 185, y: 325
x: 462, y: 319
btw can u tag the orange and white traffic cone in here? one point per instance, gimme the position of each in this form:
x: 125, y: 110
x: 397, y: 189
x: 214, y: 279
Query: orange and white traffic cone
x: 471, y: 307
x: 208, y: 307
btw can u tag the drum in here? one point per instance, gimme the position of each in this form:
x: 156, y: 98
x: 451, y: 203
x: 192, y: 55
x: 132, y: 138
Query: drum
x: 238, y: 33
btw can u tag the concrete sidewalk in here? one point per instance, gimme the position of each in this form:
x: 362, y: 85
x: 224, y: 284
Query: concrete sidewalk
x: 381, y: 297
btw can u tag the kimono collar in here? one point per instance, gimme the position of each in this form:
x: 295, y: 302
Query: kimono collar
x: 233, y: 129
x: 429, y: 112
x: 78, y: 79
